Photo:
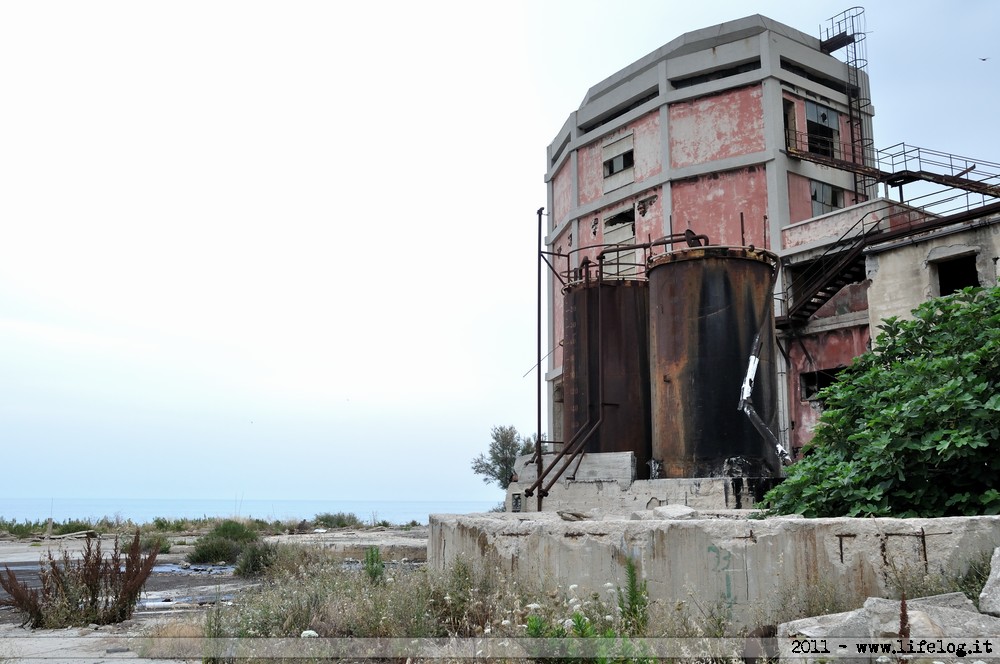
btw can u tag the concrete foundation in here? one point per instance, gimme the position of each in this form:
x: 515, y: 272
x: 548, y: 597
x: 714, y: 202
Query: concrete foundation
x: 607, y: 482
x: 745, y: 564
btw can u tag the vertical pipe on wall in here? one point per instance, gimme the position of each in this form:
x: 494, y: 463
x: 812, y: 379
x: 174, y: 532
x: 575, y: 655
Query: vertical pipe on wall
x: 538, y: 408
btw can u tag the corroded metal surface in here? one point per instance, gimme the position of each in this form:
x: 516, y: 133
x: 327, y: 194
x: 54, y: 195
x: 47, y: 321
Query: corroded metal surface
x: 706, y: 306
x: 606, y: 332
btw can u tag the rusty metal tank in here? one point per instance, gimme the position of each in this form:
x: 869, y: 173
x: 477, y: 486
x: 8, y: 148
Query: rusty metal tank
x: 706, y: 307
x: 606, y: 330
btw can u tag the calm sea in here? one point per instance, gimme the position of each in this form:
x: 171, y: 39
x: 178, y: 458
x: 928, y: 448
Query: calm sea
x: 145, y: 510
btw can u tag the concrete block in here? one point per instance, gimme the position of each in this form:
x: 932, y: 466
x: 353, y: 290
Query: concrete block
x: 675, y: 512
x: 947, y: 600
x: 989, y: 599
x: 928, y: 620
x: 744, y: 563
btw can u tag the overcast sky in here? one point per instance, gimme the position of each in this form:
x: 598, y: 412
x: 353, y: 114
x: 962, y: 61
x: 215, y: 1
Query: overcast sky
x: 287, y: 249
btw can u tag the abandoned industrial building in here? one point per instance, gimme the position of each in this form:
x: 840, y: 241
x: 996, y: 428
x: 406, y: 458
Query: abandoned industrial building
x: 722, y: 236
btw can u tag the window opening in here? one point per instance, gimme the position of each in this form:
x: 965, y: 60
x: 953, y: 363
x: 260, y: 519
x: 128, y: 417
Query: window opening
x: 825, y: 197
x: 811, y: 382
x: 791, y: 140
x: 823, y: 129
x: 957, y: 273
x: 619, y: 163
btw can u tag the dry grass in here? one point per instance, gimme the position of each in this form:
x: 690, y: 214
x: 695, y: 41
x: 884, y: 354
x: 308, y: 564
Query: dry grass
x: 174, y: 639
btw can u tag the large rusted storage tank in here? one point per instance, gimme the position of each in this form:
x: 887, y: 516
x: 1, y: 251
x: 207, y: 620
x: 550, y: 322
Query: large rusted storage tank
x: 606, y: 329
x: 706, y: 306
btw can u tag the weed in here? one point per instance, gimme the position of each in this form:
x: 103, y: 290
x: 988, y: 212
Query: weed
x: 915, y: 581
x: 255, y: 558
x: 633, y: 602
x: 373, y: 565
x: 80, y: 592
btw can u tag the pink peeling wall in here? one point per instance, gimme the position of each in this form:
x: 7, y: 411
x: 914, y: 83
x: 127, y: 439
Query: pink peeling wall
x: 562, y: 190
x: 827, y: 350
x: 712, y: 204
x: 716, y: 127
x: 799, y: 198
x: 648, y: 162
x: 590, y: 170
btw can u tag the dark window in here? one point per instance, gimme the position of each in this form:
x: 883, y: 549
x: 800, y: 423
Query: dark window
x: 618, y: 164
x: 825, y: 197
x: 679, y: 83
x: 614, y: 115
x: 823, y: 130
x: 811, y: 382
x: 957, y: 273
x: 813, y: 76
x: 791, y: 135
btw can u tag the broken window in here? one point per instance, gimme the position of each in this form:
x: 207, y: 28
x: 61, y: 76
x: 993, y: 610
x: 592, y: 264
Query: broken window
x: 823, y: 129
x: 811, y: 382
x: 619, y: 228
x: 957, y: 273
x: 618, y: 164
x: 825, y: 197
x: 619, y: 160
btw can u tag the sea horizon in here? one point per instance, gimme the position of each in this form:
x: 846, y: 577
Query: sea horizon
x: 144, y: 510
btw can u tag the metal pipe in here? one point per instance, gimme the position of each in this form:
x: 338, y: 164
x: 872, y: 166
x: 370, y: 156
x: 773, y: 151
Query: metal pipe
x: 538, y: 430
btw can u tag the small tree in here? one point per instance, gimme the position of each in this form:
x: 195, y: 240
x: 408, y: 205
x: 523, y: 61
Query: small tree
x: 497, y: 465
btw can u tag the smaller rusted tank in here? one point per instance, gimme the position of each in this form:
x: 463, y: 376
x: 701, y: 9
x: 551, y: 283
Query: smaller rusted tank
x: 605, y: 333
x: 707, y: 304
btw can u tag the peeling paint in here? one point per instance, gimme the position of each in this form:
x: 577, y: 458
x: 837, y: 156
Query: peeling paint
x: 723, y: 125
x: 712, y: 205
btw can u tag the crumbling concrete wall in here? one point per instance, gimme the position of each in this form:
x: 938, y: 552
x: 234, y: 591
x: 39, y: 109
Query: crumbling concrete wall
x: 745, y: 564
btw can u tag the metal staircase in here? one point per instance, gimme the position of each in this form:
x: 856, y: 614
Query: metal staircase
x: 843, y: 262
x: 847, y: 31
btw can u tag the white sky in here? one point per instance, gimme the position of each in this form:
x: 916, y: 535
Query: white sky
x: 287, y: 250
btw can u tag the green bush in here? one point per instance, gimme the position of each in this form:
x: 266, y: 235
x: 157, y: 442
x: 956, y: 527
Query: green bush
x: 155, y: 542
x: 256, y: 558
x: 338, y: 520
x: 212, y: 549
x: 21, y: 529
x: 235, y: 531
x: 911, y: 428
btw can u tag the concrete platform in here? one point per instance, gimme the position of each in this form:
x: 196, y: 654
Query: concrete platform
x: 726, y: 558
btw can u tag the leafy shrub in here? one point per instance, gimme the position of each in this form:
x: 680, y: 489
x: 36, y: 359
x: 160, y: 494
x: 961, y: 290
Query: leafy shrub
x: 235, y: 531
x: 155, y: 542
x: 338, y: 520
x: 224, y: 543
x: 92, y: 589
x: 211, y: 549
x: 911, y: 428
x: 170, y: 525
x: 256, y: 558
x: 21, y: 529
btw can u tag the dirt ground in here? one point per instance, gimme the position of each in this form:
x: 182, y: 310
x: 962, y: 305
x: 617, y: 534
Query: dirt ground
x: 170, y: 594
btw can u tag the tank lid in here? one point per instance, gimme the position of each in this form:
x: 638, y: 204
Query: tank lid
x: 698, y: 253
